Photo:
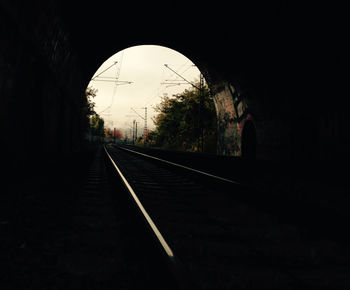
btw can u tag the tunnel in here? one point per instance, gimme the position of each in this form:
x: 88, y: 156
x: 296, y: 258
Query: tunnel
x: 275, y: 71
x: 265, y: 68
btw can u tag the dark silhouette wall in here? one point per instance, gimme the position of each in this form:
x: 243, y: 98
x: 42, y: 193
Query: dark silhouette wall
x: 41, y: 84
x: 248, y: 141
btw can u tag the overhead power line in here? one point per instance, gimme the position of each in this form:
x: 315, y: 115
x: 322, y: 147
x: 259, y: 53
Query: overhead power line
x: 175, y: 82
x: 114, y: 63
x: 113, y: 81
x: 187, y: 81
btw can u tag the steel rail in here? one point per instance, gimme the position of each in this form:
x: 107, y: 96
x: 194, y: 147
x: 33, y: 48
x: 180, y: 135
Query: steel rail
x: 154, y: 228
x: 183, y: 166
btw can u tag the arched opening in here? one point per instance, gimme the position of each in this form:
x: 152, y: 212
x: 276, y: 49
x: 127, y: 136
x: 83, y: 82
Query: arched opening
x: 248, y: 141
x: 153, y: 95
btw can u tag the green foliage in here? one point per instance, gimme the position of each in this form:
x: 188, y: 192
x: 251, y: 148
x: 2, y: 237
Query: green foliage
x: 87, y: 109
x: 93, y: 123
x: 88, y: 104
x: 178, y: 121
x: 97, y: 126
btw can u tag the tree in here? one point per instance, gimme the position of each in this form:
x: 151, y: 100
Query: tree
x: 117, y: 134
x: 108, y: 133
x: 89, y: 119
x: 97, y: 126
x: 178, y: 121
x: 88, y: 104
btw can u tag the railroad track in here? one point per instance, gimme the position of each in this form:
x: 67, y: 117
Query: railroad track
x: 215, y: 241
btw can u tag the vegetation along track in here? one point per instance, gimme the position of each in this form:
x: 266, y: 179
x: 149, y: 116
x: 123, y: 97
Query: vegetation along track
x: 224, y: 243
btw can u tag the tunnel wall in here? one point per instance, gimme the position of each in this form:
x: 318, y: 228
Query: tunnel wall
x: 228, y: 142
x: 234, y: 108
x: 39, y: 85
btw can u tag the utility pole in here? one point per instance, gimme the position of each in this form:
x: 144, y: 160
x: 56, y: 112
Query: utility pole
x: 201, y: 101
x: 145, y: 122
x: 143, y: 118
x: 145, y: 133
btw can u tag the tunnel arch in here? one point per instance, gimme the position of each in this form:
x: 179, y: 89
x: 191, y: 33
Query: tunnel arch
x: 230, y: 100
x: 128, y: 54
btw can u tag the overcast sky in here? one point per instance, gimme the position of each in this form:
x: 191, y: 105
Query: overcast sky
x: 144, y: 67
